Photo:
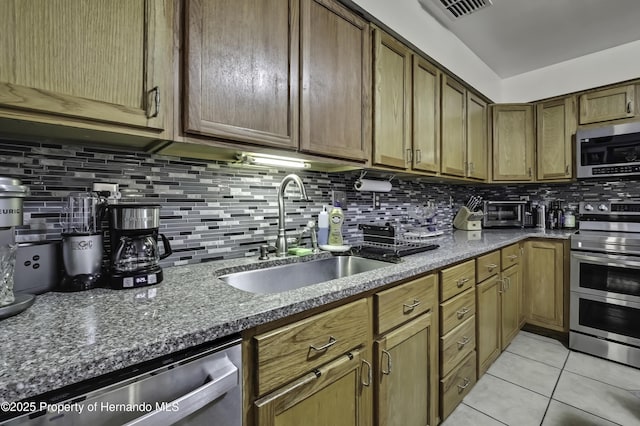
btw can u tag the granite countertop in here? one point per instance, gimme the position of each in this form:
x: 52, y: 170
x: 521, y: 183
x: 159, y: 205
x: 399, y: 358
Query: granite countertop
x: 65, y: 338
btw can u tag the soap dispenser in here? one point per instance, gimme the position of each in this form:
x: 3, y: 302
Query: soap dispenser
x: 336, y: 219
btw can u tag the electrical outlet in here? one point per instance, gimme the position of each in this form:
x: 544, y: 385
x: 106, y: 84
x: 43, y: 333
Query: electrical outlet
x: 340, y: 196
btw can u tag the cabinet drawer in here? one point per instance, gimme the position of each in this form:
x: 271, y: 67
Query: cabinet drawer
x: 290, y: 351
x: 456, y: 310
x: 510, y: 255
x: 404, y: 302
x: 457, y: 279
x: 487, y: 265
x: 457, y: 344
x: 457, y: 385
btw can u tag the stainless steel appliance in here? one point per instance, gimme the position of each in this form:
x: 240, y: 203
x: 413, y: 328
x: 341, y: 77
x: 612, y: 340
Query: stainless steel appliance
x: 605, y: 282
x: 12, y: 193
x: 197, y: 387
x: 507, y: 214
x: 133, y: 233
x: 82, y: 246
x: 608, y: 151
x: 38, y: 267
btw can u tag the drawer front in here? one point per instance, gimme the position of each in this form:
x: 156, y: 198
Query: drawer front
x: 456, y: 310
x: 457, y: 344
x: 458, y: 384
x: 457, y: 279
x: 487, y: 265
x: 290, y: 351
x: 510, y: 256
x: 404, y: 302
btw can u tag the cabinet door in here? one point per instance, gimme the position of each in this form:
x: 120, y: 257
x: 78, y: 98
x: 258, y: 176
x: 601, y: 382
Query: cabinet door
x: 488, y: 312
x: 556, y: 124
x: 512, y: 130
x: 608, y: 104
x: 453, y: 116
x: 242, y: 70
x: 476, y: 137
x: 336, y: 81
x: 392, y: 102
x: 406, y: 373
x: 426, y: 116
x: 103, y: 61
x: 544, y: 283
x: 510, y: 304
x: 338, y: 393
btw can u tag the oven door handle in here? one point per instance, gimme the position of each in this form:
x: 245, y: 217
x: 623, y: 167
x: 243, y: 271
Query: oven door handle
x: 614, y: 260
x: 223, y: 376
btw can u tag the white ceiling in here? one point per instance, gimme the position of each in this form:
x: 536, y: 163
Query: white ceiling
x: 516, y: 36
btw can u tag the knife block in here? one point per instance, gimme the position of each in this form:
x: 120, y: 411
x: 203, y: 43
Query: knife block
x: 467, y: 220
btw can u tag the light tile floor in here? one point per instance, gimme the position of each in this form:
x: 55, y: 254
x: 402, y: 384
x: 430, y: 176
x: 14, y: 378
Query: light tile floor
x: 538, y: 381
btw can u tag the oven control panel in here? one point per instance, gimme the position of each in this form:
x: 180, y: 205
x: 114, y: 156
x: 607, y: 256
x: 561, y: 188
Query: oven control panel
x: 606, y: 208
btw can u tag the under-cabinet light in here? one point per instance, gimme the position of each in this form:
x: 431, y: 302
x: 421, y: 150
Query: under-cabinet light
x: 272, y: 160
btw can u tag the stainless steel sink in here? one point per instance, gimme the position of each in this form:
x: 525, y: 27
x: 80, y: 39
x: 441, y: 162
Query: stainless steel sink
x: 296, y: 275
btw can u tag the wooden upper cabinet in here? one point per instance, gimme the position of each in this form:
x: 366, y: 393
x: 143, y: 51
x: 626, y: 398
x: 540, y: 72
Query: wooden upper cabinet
x: 101, y: 61
x: 336, y: 80
x: 453, y: 139
x: 426, y: 116
x: 476, y: 137
x: 513, y: 142
x: 392, y: 102
x: 242, y: 70
x: 556, y: 125
x: 608, y: 104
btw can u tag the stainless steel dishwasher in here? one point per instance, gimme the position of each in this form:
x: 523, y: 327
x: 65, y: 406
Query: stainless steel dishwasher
x: 202, y: 388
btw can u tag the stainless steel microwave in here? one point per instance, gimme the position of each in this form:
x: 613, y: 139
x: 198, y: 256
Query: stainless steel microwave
x: 608, y: 151
x: 507, y: 214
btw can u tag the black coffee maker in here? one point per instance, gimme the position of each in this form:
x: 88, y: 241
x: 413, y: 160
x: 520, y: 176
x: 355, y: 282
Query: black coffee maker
x: 134, y: 253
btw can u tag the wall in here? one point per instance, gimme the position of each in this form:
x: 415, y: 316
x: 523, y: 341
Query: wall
x: 209, y: 210
x: 598, y: 69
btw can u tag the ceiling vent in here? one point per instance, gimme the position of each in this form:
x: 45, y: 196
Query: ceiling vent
x: 456, y: 9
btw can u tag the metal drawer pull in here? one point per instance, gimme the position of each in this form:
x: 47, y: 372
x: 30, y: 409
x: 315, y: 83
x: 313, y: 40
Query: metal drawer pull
x: 462, y: 312
x: 465, y: 384
x: 507, y: 281
x: 388, y: 370
x: 332, y: 341
x: 411, y: 307
x: 492, y: 266
x: 512, y: 256
x: 369, y: 373
x: 629, y: 105
x: 463, y: 342
x: 461, y: 282
x: 502, y: 287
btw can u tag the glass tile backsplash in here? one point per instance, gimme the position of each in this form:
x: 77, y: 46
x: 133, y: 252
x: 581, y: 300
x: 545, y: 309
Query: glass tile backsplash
x: 213, y: 210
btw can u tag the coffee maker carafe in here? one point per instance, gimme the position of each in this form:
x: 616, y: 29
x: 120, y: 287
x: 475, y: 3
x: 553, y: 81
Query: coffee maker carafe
x: 133, y: 233
x: 82, y: 247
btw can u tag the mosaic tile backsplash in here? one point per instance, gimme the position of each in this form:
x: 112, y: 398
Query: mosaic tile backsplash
x: 213, y: 210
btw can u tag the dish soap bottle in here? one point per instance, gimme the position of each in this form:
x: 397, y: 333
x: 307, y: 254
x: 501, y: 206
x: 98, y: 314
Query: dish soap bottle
x: 336, y: 218
x: 323, y: 227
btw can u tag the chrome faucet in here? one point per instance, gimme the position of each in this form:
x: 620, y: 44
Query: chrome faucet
x: 281, y: 241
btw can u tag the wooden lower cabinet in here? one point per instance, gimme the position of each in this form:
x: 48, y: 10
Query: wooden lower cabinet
x: 545, y: 288
x: 457, y: 384
x: 510, y: 304
x: 406, y: 377
x: 338, y: 393
x: 488, y: 327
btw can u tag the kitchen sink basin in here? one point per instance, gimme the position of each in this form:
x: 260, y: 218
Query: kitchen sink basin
x: 297, y: 275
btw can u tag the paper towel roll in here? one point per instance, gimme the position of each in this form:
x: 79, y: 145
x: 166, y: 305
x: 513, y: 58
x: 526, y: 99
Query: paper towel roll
x: 372, y: 185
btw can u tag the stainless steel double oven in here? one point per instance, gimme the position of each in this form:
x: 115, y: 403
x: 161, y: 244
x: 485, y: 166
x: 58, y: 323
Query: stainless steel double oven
x: 605, y: 282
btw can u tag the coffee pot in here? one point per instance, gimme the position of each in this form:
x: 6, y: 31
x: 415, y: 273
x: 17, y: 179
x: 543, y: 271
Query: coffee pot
x: 135, y: 255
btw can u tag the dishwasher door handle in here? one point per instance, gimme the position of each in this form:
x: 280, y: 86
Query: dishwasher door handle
x: 224, y: 376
